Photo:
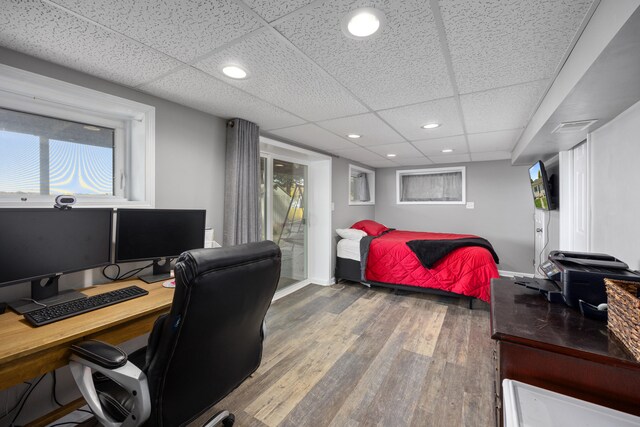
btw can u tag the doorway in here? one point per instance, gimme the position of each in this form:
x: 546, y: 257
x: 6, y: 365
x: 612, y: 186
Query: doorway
x: 284, y: 214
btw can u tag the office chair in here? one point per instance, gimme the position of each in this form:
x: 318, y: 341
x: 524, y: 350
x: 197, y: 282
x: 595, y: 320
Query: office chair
x: 207, y: 345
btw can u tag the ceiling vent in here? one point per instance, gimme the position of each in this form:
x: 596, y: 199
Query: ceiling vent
x: 570, y: 127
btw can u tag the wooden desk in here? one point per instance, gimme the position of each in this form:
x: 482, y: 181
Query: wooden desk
x: 554, y: 347
x: 26, y: 351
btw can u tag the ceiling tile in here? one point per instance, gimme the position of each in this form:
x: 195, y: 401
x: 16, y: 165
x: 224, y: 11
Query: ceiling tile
x: 490, y: 155
x: 435, y: 146
x: 499, y: 109
x: 451, y: 158
x: 358, y: 154
x: 184, y: 29
x: 416, y: 161
x: 402, y: 150
x: 382, y: 163
x: 271, y: 10
x: 408, y: 120
x: 496, y: 43
x: 314, y: 136
x: 403, y: 64
x: 373, y: 131
x: 48, y: 33
x: 278, y: 73
x: 196, y: 89
x: 494, y: 141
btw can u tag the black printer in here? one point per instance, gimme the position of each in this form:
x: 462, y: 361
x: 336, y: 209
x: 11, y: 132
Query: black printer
x: 580, y: 275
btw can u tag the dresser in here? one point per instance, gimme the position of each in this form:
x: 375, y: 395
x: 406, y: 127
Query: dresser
x: 553, y: 346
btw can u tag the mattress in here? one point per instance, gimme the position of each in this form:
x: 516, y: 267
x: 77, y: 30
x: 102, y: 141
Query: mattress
x: 349, y: 249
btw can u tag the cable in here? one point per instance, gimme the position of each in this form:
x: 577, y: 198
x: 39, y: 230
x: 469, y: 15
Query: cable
x: 123, y: 276
x: 25, y: 400
x: 545, y: 245
x: 53, y: 389
x: 7, y: 413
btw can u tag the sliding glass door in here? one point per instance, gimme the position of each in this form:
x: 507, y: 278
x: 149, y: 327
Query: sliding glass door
x: 284, y: 214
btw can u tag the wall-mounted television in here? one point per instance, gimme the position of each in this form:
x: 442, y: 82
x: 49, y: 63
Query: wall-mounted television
x: 541, y: 187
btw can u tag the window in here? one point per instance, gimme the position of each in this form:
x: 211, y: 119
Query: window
x: 431, y: 186
x: 58, y: 138
x: 362, y: 186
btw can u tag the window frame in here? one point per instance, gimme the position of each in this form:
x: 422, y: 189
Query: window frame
x: 134, y: 134
x: 372, y: 186
x: 432, y: 171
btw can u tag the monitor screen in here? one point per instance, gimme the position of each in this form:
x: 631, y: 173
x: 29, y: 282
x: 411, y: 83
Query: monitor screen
x: 147, y: 234
x: 540, y: 186
x: 39, y: 243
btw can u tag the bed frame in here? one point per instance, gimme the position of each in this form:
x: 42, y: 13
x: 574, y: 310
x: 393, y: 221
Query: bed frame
x: 349, y: 269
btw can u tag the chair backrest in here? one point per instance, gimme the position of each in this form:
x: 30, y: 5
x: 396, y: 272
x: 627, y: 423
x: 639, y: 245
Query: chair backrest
x: 211, y: 341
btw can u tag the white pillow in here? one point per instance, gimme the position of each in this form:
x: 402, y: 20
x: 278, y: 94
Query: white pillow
x: 350, y: 233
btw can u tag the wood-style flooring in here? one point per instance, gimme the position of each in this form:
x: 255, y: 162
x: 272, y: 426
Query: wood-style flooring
x: 346, y: 355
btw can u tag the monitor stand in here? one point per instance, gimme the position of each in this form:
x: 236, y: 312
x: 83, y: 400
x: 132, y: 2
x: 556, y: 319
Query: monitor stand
x: 45, y: 294
x: 160, y: 272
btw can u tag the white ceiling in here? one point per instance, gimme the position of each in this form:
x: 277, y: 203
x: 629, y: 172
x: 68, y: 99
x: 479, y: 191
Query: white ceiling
x: 478, y: 67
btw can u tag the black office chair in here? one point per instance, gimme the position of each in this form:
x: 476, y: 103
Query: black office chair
x: 206, y: 346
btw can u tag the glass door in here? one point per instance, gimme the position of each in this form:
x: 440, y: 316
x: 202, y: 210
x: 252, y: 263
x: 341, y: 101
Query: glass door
x: 283, y: 206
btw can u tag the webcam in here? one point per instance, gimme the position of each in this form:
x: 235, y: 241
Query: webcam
x: 64, y: 202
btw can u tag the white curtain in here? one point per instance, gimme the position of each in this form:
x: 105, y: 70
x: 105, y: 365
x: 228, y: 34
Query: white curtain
x: 360, y: 186
x: 439, y: 187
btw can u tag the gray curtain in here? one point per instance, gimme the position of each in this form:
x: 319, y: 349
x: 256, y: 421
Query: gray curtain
x: 242, y: 184
x: 432, y: 187
x: 361, y: 187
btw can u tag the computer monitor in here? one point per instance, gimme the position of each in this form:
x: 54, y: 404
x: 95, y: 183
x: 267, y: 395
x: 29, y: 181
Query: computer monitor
x: 39, y: 245
x: 157, y: 234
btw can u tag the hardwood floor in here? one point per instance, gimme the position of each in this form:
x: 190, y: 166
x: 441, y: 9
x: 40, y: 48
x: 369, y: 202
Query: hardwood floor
x: 346, y: 355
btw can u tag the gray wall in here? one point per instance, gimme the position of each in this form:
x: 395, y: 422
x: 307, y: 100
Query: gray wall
x: 503, y: 211
x: 615, y: 176
x: 344, y: 215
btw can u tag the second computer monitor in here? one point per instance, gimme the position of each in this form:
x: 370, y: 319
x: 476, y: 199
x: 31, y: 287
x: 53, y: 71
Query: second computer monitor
x: 156, y: 234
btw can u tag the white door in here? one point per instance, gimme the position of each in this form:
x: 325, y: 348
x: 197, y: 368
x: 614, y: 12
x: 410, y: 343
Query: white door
x: 575, y: 199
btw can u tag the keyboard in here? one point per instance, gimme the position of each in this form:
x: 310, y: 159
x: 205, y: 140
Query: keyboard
x: 53, y: 313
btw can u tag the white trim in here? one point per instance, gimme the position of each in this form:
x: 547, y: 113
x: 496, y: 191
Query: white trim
x: 134, y: 123
x: 507, y: 273
x: 372, y: 187
x: 324, y: 282
x: 290, y: 289
x: 430, y: 171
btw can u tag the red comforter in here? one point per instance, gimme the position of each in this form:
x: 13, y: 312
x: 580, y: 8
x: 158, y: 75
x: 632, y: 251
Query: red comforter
x: 467, y: 271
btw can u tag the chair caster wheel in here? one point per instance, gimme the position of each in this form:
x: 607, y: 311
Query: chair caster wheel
x: 228, y: 422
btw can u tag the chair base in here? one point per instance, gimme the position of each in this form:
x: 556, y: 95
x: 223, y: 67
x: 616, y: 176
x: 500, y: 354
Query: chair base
x: 225, y: 417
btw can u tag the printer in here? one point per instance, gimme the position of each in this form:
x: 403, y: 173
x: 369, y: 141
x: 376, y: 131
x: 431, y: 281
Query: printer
x: 580, y: 276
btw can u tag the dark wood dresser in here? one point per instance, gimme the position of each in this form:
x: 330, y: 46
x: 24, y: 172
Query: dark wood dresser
x: 554, y: 347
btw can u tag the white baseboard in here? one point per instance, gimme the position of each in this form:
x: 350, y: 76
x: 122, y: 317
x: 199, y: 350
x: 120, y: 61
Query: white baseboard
x: 290, y: 289
x: 325, y: 282
x: 506, y: 273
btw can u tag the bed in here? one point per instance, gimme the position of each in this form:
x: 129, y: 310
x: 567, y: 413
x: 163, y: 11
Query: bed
x: 455, y: 264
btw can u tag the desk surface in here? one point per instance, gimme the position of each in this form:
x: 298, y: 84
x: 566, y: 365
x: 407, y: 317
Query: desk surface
x: 524, y: 316
x: 26, y: 351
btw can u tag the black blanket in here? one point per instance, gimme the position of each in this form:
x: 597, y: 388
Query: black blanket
x: 431, y: 251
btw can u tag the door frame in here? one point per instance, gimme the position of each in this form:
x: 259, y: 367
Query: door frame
x: 569, y: 199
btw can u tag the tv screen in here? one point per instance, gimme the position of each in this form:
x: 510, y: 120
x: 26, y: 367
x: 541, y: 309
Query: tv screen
x: 540, y: 187
x: 151, y: 234
x: 39, y: 243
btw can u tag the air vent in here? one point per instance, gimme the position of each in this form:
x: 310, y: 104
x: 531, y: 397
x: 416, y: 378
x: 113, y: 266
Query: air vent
x: 570, y: 127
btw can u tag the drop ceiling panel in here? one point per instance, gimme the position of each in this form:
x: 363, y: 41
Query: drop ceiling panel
x: 284, y: 77
x: 195, y: 89
x: 43, y: 31
x: 402, y: 150
x: 496, y: 43
x: 494, y: 141
x: 184, y: 29
x: 408, y: 120
x: 372, y: 130
x: 403, y: 64
x: 416, y: 161
x: 271, y: 10
x: 499, y: 109
x: 491, y: 155
x: 314, y: 136
x: 358, y: 154
x: 435, y: 146
x: 381, y: 163
x: 451, y: 158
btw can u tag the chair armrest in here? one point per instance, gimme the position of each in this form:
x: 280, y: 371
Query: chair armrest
x: 100, y: 353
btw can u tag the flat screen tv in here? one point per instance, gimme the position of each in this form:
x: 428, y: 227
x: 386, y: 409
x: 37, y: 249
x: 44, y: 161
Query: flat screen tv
x: 541, y: 187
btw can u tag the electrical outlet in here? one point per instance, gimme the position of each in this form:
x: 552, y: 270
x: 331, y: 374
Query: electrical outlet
x: 471, y: 205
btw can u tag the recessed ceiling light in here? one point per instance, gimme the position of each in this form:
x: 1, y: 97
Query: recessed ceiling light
x: 431, y: 126
x: 353, y: 136
x: 362, y: 23
x: 447, y: 150
x: 234, y: 72
x: 391, y: 155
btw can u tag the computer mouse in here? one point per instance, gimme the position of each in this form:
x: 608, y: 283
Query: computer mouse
x: 170, y: 283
